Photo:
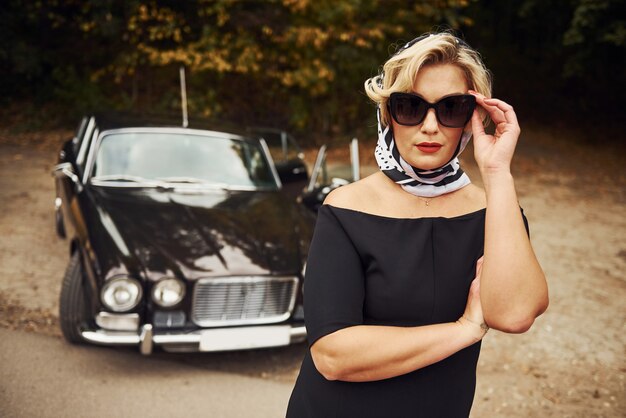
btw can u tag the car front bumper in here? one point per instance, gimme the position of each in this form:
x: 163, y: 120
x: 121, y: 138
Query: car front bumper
x: 218, y: 339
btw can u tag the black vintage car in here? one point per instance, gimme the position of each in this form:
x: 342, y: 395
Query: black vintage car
x: 183, y: 238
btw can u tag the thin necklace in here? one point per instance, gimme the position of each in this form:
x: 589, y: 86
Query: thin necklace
x: 427, y: 201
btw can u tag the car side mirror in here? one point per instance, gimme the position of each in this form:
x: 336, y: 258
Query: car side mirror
x: 292, y: 171
x: 66, y: 169
x: 293, y: 176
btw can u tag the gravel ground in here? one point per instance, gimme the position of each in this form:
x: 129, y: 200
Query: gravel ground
x: 570, y: 364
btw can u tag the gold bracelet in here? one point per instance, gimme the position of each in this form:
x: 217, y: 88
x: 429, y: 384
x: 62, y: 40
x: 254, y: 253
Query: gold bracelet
x: 482, y: 325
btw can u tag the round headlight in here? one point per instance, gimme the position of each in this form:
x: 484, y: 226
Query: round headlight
x: 121, y: 293
x: 168, y: 292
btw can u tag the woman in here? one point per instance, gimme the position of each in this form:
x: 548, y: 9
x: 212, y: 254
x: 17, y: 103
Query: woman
x: 409, y: 267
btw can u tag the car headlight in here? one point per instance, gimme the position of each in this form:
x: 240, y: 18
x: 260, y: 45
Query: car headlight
x: 121, y: 293
x: 168, y: 292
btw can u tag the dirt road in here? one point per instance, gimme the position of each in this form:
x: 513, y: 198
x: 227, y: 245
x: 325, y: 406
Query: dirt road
x: 44, y: 377
x: 570, y: 364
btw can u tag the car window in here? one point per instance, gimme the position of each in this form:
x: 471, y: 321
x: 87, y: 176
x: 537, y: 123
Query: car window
x: 281, y: 145
x: 174, y: 156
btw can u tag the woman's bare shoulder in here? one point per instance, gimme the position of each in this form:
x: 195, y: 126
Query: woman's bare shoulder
x: 356, y: 196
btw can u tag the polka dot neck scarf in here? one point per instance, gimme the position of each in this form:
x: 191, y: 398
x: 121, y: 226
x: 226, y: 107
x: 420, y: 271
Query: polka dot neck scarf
x: 423, y: 183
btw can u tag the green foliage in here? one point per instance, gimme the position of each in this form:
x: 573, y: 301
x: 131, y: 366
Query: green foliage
x: 596, y: 29
x: 279, y: 62
x: 555, y: 60
x: 74, y: 92
x: 298, y: 64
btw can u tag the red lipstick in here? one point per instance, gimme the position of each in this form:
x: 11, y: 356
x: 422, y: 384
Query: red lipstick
x: 428, y: 147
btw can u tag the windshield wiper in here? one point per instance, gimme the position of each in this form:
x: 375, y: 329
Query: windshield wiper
x: 182, y: 180
x: 122, y: 177
x: 194, y: 180
x: 168, y: 183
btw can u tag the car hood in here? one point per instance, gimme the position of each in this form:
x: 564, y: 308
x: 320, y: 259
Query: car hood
x: 195, y: 234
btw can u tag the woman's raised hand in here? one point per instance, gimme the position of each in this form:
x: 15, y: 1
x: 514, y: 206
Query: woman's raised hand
x: 493, y: 153
x: 472, y: 318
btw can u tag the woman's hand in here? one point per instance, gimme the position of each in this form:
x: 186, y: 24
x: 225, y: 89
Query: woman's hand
x: 493, y: 153
x: 472, y: 318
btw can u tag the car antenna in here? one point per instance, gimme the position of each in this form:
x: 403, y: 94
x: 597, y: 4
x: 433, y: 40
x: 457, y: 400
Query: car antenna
x: 183, y: 96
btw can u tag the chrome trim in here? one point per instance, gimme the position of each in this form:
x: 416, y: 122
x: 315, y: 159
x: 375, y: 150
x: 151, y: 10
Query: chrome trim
x: 111, y: 337
x: 317, y: 167
x: 245, y: 280
x: 91, y: 156
x: 84, y: 145
x: 108, y: 320
x: 145, y: 338
x: 174, y: 129
x: 66, y: 169
x: 354, y: 159
x: 170, y: 342
x: 298, y: 334
x: 270, y: 160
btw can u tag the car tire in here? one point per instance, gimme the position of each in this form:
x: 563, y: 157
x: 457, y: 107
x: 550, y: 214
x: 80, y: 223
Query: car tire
x: 72, y: 306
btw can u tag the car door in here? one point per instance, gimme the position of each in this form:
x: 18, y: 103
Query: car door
x: 67, y: 174
x: 324, y: 180
x: 288, y: 159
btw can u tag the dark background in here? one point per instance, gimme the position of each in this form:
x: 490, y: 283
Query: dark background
x: 301, y: 64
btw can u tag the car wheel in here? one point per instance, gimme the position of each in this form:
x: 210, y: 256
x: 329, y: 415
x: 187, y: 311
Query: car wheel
x: 72, y: 306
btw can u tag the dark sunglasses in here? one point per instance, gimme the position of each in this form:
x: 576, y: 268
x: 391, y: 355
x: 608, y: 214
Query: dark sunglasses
x: 453, y: 111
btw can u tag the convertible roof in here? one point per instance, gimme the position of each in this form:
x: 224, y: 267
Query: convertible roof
x: 119, y: 120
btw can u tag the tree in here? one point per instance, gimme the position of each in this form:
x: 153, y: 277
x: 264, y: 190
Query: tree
x: 300, y: 63
x: 555, y: 60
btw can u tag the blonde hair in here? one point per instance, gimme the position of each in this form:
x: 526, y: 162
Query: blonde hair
x: 398, y: 73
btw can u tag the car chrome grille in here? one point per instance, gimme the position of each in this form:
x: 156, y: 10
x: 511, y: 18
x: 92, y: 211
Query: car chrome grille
x: 243, y: 300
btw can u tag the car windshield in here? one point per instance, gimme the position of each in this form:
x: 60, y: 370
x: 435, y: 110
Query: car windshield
x: 172, y: 157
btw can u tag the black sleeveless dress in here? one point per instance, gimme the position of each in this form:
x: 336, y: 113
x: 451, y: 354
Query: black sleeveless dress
x: 376, y: 270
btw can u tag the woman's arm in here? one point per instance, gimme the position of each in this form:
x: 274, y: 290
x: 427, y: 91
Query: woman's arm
x: 513, y: 286
x: 368, y: 352
x: 363, y: 353
x: 342, y: 347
